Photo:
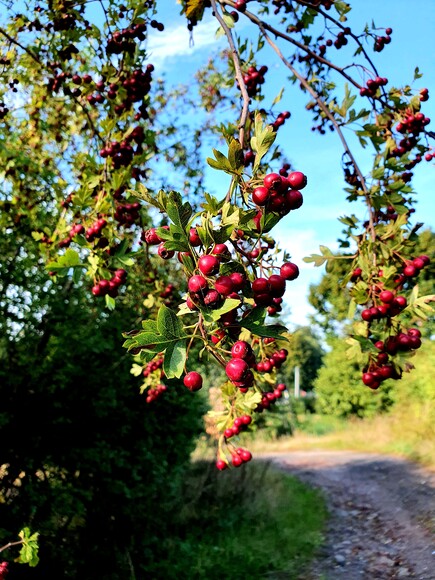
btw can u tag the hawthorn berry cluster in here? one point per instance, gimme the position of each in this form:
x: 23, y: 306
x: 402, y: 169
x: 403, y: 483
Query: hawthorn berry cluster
x: 94, y: 231
x: 381, y: 369
x: 254, y: 78
x: 280, y: 194
x: 238, y: 457
x: 123, y: 40
x: 154, y: 393
x: 372, y: 86
x: 381, y: 41
x: 76, y: 230
x: 153, y: 365
x: 111, y: 286
x: 127, y: 214
x: 270, y: 397
x: 239, y: 424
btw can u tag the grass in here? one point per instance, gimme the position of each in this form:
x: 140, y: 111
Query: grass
x: 251, y: 522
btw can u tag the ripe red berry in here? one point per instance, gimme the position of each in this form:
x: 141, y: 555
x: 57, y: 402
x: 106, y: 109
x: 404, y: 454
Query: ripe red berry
x: 236, y: 460
x: 410, y: 271
x: 289, y: 271
x: 277, y: 286
x: 366, y: 315
x: 236, y: 369
x: 238, y: 280
x: 221, y: 464
x: 224, y: 285
x: 400, y: 302
x: 386, y: 296
x: 241, y: 349
x: 297, y: 180
x: 293, y: 199
x: 193, y: 381
x: 260, y: 195
x: 208, y: 264
x: 151, y: 237
x: 194, y: 238
x: 164, y: 253
x: 212, y: 298
x: 197, y: 283
x: 272, y: 181
x: 260, y: 286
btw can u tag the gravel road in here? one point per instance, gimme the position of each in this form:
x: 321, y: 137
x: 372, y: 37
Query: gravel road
x: 382, y: 509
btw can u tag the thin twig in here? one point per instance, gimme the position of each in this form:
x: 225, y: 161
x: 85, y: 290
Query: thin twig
x: 261, y: 24
x: 239, y: 74
x: 10, y: 544
x: 333, y: 120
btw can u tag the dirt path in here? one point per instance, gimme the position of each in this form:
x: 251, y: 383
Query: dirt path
x: 382, y: 509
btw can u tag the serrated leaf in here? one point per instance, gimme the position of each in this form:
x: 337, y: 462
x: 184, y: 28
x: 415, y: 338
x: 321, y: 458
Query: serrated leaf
x: 228, y: 305
x: 175, y: 359
x: 110, y: 302
x: 254, y: 322
x: 236, y: 157
x: 168, y: 324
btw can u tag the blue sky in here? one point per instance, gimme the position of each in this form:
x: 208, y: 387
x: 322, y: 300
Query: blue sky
x: 319, y: 157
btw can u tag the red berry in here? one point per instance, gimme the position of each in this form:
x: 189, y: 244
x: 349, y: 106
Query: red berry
x: 236, y: 460
x: 277, y: 286
x: 224, y: 285
x: 400, y: 302
x: 238, y: 280
x: 272, y: 181
x: 194, y: 238
x: 289, y: 271
x: 260, y: 286
x: 410, y: 271
x: 208, y: 264
x: 260, y: 195
x: 221, y: 464
x: 236, y: 369
x: 219, y: 249
x: 151, y: 237
x: 293, y: 199
x: 297, y: 180
x: 197, y: 283
x: 241, y: 349
x: 164, y: 253
x: 386, y: 296
x: 193, y: 381
x: 366, y: 315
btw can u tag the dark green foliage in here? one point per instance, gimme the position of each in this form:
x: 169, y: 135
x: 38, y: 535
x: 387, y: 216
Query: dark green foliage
x: 99, y: 470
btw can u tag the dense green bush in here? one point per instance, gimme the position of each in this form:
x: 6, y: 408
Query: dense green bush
x: 339, y: 389
x: 90, y: 465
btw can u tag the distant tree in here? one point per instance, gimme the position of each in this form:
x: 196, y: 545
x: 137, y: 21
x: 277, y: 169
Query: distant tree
x: 338, y: 387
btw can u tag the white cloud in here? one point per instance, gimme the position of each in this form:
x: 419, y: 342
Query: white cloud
x: 175, y: 41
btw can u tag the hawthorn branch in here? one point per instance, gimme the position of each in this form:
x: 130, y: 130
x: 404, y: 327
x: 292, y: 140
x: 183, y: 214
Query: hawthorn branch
x: 239, y: 74
x: 333, y: 120
x: 265, y: 26
x: 38, y: 60
x: 11, y: 544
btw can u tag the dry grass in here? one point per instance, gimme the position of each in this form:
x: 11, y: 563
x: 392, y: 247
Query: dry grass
x: 407, y: 435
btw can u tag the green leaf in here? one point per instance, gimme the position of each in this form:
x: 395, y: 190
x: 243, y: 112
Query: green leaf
x: 168, y: 324
x: 254, y: 322
x: 110, y: 302
x: 262, y: 140
x: 175, y: 359
x: 228, y: 305
x: 236, y: 157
